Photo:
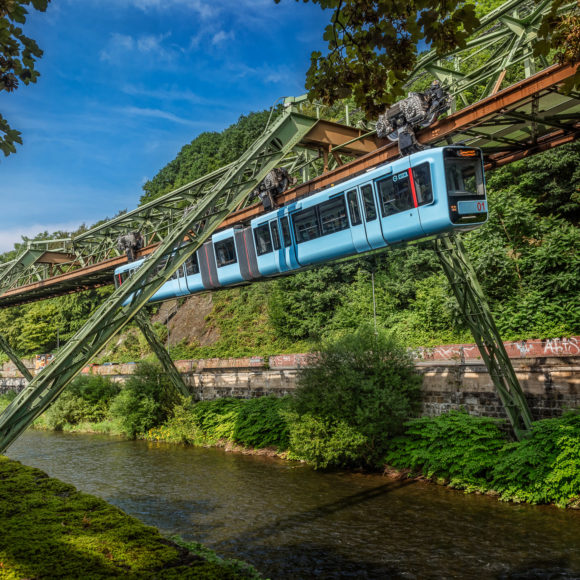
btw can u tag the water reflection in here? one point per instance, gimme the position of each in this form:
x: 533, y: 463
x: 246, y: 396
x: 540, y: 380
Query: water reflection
x: 293, y: 522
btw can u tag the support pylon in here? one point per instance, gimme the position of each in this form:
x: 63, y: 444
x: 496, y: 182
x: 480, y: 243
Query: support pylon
x: 475, y: 309
x: 161, y: 353
x: 15, y: 358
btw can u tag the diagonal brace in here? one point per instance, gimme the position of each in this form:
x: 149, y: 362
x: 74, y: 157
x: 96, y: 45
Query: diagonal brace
x: 161, y: 353
x: 15, y: 358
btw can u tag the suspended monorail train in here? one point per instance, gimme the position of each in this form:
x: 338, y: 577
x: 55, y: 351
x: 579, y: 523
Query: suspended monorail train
x: 430, y: 192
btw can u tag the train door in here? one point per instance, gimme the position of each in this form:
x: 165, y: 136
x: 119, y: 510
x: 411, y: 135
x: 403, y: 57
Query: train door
x: 370, y: 216
x: 288, y: 244
x: 357, y: 228
x: 398, y: 207
x: 278, y: 247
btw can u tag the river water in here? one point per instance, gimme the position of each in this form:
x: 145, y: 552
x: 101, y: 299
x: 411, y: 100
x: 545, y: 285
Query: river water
x: 293, y: 522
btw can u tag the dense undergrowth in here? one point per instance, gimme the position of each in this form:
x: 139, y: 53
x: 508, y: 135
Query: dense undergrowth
x: 353, y: 408
x: 50, y: 530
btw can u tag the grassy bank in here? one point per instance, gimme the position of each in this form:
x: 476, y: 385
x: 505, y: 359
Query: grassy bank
x: 50, y: 530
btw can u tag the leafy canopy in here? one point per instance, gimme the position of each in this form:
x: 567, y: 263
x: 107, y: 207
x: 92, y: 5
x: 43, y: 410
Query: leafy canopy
x: 372, y: 46
x: 17, y: 59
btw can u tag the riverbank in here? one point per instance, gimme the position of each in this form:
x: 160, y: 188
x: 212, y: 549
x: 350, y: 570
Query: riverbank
x: 50, y: 530
x: 455, y: 449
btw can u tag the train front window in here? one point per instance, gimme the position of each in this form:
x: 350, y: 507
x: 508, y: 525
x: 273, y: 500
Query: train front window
x: 422, y: 180
x: 464, y: 174
x: 225, y: 252
x: 263, y: 240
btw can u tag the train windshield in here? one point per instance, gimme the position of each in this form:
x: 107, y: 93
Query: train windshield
x: 464, y: 173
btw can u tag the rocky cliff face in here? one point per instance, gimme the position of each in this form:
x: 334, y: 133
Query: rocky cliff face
x: 187, y: 321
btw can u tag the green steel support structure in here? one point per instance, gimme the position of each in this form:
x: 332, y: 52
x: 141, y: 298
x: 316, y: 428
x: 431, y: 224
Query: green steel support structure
x: 184, y: 237
x: 15, y: 358
x: 146, y: 328
x: 461, y: 275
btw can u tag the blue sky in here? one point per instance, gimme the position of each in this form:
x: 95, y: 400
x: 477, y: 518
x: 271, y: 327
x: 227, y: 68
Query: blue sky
x: 125, y: 84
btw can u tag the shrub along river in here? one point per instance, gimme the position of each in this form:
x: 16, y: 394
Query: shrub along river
x: 293, y: 522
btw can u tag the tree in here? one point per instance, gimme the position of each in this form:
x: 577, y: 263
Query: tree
x: 18, y: 54
x: 373, y: 45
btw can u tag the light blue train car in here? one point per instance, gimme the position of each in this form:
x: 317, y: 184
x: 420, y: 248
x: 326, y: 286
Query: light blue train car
x: 430, y: 192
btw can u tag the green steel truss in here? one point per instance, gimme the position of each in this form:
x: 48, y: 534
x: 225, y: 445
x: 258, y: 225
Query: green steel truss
x: 144, y: 324
x: 228, y: 189
x: 475, y: 309
x: 153, y: 220
x: 499, y: 51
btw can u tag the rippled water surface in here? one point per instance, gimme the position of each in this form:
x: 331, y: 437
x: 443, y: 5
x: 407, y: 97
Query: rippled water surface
x: 292, y: 522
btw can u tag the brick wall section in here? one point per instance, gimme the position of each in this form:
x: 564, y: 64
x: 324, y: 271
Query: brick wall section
x: 454, y: 377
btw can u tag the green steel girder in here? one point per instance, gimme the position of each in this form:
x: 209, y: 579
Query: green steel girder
x: 162, y: 355
x: 5, y: 346
x: 504, y: 39
x: 227, y: 192
x: 473, y: 304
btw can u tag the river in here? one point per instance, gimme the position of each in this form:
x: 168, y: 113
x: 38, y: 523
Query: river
x: 290, y: 521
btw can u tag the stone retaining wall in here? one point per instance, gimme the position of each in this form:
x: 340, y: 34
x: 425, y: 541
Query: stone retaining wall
x: 549, y: 372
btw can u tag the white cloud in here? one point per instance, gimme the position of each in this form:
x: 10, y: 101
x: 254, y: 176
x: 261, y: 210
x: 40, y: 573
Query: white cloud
x: 121, y: 45
x: 221, y: 36
x: 159, y: 114
x: 11, y: 236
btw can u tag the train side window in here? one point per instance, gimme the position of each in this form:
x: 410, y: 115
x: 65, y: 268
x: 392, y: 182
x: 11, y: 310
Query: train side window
x: 333, y: 215
x: 395, y: 194
x: 286, y: 232
x: 275, y: 234
x: 306, y: 225
x: 353, y: 208
x: 192, y: 265
x: 369, y: 203
x: 423, y: 188
x: 225, y: 252
x: 263, y: 240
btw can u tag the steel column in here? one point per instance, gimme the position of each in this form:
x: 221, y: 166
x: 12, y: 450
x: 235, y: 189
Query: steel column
x: 15, y: 358
x: 146, y: 328
x: 473, y: 304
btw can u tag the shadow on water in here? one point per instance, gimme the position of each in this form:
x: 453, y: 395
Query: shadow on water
x: 300, y: 519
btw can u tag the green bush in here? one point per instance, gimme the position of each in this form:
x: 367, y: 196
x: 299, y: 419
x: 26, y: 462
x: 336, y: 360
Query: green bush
x: 260, y: 423
x: 471, y: 453
x: 146, y: 400
x: 544, y: 468
x: 87, y: 399
x: 457, y: 447
x: 6, y: 399
x: 364, y: 381
x: 324, y: 442
x: 256, y: 422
